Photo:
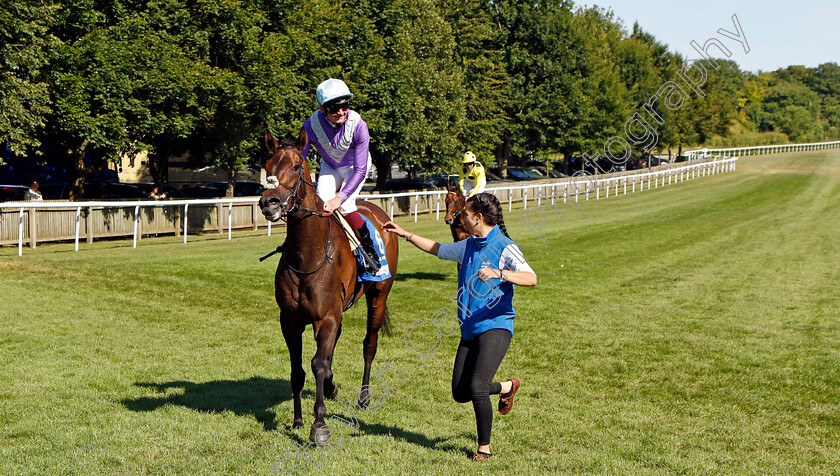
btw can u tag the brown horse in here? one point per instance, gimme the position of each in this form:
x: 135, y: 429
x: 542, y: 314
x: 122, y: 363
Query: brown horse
x: 455, y: 204
x: 316, y: 279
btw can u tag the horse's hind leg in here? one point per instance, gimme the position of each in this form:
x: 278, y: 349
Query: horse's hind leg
x: 326, y: 332
x: 292, y: 333
x: 376, y: 300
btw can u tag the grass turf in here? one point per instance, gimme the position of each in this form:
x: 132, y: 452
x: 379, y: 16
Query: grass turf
x: 687, y: 329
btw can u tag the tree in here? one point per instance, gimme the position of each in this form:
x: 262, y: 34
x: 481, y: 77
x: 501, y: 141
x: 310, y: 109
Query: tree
x: 416, y: 106
x: 25, y: 47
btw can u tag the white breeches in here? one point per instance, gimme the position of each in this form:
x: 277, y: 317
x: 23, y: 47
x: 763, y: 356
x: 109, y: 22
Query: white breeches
x: 330, y: 181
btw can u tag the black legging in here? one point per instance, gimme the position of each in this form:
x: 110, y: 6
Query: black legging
x: 476, y: 363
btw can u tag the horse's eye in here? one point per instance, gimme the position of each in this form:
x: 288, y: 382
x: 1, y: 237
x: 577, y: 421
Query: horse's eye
x: 296, y: 167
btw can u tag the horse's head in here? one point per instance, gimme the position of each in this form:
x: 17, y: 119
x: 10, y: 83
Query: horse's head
x: 286, y: 174
x: 455, y: 203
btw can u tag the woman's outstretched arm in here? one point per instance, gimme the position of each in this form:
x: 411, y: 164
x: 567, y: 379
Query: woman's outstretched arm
x: 425, y: 244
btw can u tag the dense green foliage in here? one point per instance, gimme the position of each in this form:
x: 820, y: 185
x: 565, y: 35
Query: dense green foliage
x: 505, y: 79
x: 708, y: 346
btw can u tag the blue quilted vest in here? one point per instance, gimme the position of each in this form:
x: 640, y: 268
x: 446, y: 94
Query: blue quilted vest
x: 484, y: 305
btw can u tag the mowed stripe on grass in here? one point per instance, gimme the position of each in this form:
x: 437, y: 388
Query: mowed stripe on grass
x: 691, y: 328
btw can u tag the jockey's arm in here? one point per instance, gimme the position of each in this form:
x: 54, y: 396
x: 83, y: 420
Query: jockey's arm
x: 477, y: 175
x: 361, y: 139
x: 480, y: 180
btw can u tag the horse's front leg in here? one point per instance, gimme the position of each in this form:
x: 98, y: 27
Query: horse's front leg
x: 330, y: 388
x: 293, y: 334
x: 326, y: 332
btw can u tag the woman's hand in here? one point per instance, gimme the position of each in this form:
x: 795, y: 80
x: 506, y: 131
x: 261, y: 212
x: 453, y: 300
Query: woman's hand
x: 486, y: 274
x: 392, y: 227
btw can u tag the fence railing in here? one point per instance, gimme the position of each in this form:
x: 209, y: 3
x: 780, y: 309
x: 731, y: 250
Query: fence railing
x: 38, y: 222
x: 760, y: 150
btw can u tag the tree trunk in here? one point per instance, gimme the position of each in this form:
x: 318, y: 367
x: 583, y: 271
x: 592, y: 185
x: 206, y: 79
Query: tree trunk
x: 159, y: 165
x: 383, y: 171
x: 231, y: 176
x: 77, y: 170
x: 567, y: 160
x: 502, y: 153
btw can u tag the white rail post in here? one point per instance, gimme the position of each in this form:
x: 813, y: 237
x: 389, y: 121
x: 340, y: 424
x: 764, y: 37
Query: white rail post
x: 78, y: 220
x: 525, y: 197
x: 136, y: 221
x: 230, y: 219
x: 186, y: 207
x: 269, y: 228
x: 20, y: 233
x: 437, y: 210
x: 392, y: 208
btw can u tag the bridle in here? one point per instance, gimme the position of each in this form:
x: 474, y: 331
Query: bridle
x: 272, y: 182
x: 296, y: 201
x: 457, y: 214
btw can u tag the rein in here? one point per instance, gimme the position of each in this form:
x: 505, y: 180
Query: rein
x: 295, y: 207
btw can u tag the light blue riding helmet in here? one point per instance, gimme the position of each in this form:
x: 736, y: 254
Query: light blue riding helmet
x: 331, y: 90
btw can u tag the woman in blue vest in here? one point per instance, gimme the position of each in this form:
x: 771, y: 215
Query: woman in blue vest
x: 491, y: 263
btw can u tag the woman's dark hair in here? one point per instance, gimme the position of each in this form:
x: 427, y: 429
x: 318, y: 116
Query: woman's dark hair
x: 488, y: 205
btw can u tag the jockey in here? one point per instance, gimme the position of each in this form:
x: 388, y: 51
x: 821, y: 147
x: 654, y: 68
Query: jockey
x: 342, y: 140
x: 472, y: 180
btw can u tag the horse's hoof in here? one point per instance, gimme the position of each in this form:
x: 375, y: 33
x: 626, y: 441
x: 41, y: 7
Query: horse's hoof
x: 297, y: 424
x: 334, y: 393
x: 320, y: 434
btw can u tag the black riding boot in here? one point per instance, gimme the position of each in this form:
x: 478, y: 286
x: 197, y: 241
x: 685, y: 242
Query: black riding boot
x: 369, y: 254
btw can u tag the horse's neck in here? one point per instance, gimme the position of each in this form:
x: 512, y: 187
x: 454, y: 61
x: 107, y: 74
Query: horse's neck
x: 308, y: 230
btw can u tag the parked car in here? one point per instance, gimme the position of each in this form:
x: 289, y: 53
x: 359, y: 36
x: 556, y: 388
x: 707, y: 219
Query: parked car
x: 12, y: 193
x: 112, y: 191
x: 400, y: 185
x: 54, y: 191
x: 202, y: 191
x: 170, y: 190
x: 240, y: 189
x: 654, y: 161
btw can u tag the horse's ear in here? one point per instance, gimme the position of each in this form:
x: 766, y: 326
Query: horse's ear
x: 301, y: 141
x: 271, y: 142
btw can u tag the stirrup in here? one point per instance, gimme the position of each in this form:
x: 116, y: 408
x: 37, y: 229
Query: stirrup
x: 372, y: 265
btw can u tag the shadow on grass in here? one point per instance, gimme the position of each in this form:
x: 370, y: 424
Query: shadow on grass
x: 421, y: 275
x: 252, y: 397
x: 396, y: 432
x: 439, y: 443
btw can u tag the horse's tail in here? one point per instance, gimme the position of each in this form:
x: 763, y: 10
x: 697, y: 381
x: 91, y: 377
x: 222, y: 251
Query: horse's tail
x: 386, y: 326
